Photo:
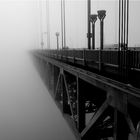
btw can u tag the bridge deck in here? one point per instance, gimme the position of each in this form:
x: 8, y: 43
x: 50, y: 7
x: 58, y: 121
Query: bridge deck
x: 93, y: 94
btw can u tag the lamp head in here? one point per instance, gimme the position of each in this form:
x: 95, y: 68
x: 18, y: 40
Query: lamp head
x: 93, y: 18
x: 57, y: 33
x: 101, y: 14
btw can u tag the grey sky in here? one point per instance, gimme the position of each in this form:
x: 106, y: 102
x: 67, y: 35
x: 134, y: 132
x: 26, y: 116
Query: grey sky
x: 76, y: 22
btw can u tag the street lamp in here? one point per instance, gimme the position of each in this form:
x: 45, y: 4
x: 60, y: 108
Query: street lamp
x: 42, y: 42
x: 101, y: 16
x: 57, y: 37
x: 93, y: 19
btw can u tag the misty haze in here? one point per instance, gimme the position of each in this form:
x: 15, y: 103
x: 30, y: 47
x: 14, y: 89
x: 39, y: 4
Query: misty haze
x: 27, y: 112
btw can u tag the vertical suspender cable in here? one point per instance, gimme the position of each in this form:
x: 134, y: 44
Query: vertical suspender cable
x: 125, y: 65
x: 127, y: 21
x: 88, y: 19
x: 123, y: 39
x: 62, y: 23
x: 125, y: 24
x: 119, y: 39
x: 48, y: 24
x: 128, y: 55
x: 41, y: 27
x: 122, y: 25
x: 119, y: 23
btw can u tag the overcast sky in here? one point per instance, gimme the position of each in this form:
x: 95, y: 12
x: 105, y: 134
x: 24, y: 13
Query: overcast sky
x: 76, y: 22
x: 18, y: 24
x: 23, y: 23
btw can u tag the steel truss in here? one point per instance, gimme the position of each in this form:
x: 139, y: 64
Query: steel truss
x: 97, y: 107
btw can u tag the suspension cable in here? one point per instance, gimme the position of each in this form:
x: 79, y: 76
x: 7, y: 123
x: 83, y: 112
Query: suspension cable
x: 127, y: 21
x: 62, y: 22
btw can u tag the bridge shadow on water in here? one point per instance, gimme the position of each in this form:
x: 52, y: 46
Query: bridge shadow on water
x: 27, y: 112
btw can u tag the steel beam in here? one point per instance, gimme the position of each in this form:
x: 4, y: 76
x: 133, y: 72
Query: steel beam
x: 81, y: 106
x: 57, y: 88
x: 122, y: 127
x: 96, y: 116
x: 55, y: 78
x: 68, y: 96
x: 118, y: 96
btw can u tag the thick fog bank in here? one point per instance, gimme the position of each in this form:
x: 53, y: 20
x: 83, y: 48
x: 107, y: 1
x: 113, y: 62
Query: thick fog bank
x: 27, y: 111
x: 18, y: 25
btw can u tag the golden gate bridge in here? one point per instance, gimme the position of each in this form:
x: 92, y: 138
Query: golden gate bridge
x: 97, y: 89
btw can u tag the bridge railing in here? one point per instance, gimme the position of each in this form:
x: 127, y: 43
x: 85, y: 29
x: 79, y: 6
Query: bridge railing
x: 108, y: 56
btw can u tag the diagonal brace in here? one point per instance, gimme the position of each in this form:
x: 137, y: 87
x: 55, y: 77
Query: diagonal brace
x: 96, y: 116
x: 68, y: 95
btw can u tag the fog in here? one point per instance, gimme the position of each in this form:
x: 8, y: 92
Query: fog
x: 27, y: 112
x: 19, y: 25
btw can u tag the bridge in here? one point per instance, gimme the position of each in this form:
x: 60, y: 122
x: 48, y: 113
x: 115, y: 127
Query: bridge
x: 97, y: 90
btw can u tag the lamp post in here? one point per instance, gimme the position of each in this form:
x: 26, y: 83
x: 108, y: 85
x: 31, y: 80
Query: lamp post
x: 101, y: 16
x: 93, y: 19
x: 57, y: 37
x: 42, y: 41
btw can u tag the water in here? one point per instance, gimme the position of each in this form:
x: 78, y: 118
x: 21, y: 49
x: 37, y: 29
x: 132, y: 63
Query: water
x: 27, y: 111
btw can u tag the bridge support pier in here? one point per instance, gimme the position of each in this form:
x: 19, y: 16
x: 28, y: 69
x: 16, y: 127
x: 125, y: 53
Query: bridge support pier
x: 121, y: 127
x: 81, y: 105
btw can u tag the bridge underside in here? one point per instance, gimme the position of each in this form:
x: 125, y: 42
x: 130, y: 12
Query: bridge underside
x: 97, y: 107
